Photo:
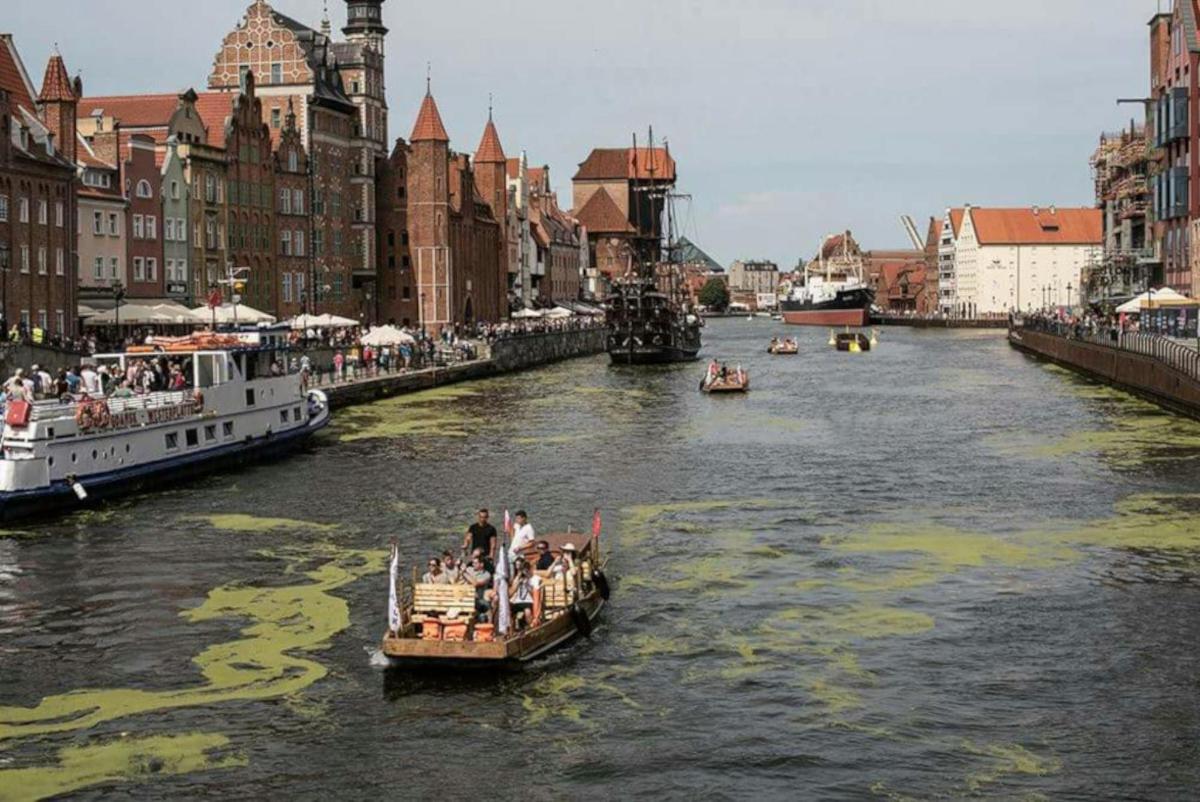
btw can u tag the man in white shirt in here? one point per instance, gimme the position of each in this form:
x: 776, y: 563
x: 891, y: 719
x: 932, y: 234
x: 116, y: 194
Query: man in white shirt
x: 523, y: 537
x: 91, y: 380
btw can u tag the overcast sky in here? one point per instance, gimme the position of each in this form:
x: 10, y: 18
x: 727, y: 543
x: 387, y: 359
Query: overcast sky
x: 790, y: 119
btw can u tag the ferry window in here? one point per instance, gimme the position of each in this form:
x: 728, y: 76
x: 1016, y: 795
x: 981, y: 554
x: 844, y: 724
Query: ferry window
x: 74, y: 457
x: 227, y: 428
x: 283, y: 416
x: 172, y: 440
x: 95, y: 453
x: 250, y: 397
x: 296, y: 414
x: 210, y: 433
x: 50, y: 433
x: 50, y: 462
x: 192, y: 436
x: 209, y: 371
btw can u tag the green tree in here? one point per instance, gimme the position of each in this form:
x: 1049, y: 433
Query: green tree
x: 715, y: 295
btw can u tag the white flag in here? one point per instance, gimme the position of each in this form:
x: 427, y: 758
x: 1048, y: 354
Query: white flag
x: 393, y: 602
x: 504, y: 611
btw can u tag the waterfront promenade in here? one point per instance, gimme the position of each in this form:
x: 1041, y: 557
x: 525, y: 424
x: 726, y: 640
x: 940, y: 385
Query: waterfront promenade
x: 1156, y: 368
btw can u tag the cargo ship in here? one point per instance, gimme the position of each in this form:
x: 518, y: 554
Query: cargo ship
x: 832, y: 291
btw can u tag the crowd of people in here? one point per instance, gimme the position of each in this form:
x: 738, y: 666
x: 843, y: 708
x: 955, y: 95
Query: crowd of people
x: 476, y: 566
x: 89, y: 380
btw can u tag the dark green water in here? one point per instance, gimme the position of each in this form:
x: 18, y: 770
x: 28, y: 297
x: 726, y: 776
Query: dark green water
x: 939, y: 570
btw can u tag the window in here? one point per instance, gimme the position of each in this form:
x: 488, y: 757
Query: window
x: 227, y: 428
x: 210, y: 433
x: 98, y: 268
x: 298, y: 243
x: 151, y: 268
x: 210, y: 234
x: 24, y: 258
x: 296, y: 414
x: 114, y: 266
x: 97, y: 223
x: 172, y: 440
x: 298, y: 201
x: 175, y: 190
x: 59, y: 265
x: 43, y: 212
x: 318, y: 243
x: 293, y: 161
x: 210, y: 188
x: 299, y: 287
x: 112, y: 225
x: 276, y: 74
x: 354, y: 87
x: 58, y: 214
x: 43, y: 319
x: 285, y: 201
x: 151, y: 227
x: 23, y: 210
x: 250, y: 400
x: 287, y: 288
x: 143, y: 189
x: 285, y: 243
x: 25, y: 318
x: 169, y: 229
x: 42, y: 260
x: 3, y: 208
x: 60, y: 321
x: 283, y: 416
x: 275, y: 117
x: 139, y: 229
x: 192, y: 437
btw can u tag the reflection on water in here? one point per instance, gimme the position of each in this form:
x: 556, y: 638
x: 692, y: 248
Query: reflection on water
x: 894, y: 575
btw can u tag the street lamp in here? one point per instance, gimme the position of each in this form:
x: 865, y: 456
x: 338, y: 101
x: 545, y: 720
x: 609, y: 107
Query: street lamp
x: 118, y: 295
x: 1070, y: 298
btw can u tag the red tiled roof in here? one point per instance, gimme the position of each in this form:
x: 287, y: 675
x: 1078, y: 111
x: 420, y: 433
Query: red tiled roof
x: 490, y: 150
x: 602, y: 215
x: 132, y: 111
x: 429, y: 123
x: 934, y: 236
x: 1041, y: 227
x: 626, y: 163
x: 536, y: 175
x: 56, y: 86
x: 956, y: 218
x: 214, y: 109
x: 12, y: 75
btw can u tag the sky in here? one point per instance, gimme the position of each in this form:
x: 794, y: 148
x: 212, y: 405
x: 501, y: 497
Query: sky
x: 789, y: 119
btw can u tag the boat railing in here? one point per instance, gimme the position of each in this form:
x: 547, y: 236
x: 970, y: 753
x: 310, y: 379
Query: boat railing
x: 49, y: 411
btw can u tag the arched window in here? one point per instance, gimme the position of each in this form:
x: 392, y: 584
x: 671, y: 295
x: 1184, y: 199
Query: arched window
x: 143, y: 189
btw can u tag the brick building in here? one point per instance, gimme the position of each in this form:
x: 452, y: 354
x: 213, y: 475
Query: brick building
x: 38, y: 248
x: 250, y: 186
x: 294, y: 264
x: 103, y: 244
x: 142, y: 184
x: 397, y: 301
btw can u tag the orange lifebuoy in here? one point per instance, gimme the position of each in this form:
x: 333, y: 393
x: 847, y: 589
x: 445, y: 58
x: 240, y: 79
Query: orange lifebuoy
x: 83, y: 417
x: 198, y: 400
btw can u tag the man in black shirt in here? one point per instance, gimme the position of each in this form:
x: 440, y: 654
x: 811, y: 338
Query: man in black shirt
x: 481, y: 535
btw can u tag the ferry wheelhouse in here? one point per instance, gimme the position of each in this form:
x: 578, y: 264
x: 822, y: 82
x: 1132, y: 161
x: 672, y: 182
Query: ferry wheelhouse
x: 241, y: 403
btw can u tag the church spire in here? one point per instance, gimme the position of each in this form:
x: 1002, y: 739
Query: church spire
x: 490, y: 150
x: 429, y: 127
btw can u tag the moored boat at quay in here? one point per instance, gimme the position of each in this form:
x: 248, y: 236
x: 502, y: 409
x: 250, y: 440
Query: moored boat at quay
x: 832, y: 291
x: 456, y: 626
x: 238, y: 404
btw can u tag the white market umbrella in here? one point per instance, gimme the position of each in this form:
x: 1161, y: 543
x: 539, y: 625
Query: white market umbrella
x: 559, y: 312
x: 226, y: 313
x: 526, y: 314
x: 387, y: 335
x: 335, y: 322
x: 1157, y: 299
x: 302, y: 322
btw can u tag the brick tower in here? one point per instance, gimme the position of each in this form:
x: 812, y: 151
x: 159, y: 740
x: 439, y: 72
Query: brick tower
x: 429, y: 215
x: 491, y: 174
x: 58, y: 104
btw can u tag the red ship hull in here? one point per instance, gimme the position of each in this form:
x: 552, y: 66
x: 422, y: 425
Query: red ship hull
x: 827, y: 317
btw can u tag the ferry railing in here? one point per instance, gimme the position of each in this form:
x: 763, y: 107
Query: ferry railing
x: 1170, y: 353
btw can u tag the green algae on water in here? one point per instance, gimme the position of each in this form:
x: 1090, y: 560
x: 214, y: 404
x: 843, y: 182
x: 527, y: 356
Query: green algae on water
x: 237, y: 522
x: 267, y: 662
x: 138, y: 759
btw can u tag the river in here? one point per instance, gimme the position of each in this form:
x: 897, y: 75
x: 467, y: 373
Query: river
x: 937, y: 570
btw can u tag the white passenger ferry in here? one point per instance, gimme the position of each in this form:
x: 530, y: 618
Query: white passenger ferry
x: 241, y: 404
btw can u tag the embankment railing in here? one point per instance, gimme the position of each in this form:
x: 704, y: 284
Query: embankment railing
x: 1169, y: 352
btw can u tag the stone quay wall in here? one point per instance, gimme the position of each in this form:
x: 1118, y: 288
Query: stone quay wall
x: 506, y: 356
x: 939, y: 323
x: 1140, y: 374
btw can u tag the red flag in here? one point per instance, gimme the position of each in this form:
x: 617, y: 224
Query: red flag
x: 596, y: 523
x: 214, y: 299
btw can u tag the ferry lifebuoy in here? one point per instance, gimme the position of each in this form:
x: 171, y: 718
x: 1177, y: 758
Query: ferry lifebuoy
x: 83, y: 416
x: 198, y: 401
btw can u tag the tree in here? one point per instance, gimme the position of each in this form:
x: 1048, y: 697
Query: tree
x: 715, y: 295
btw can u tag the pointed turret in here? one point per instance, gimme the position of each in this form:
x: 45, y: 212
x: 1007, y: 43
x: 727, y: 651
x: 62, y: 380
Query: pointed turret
x: 490, y: 150
x: 429, y: 126
x: 57, y: 102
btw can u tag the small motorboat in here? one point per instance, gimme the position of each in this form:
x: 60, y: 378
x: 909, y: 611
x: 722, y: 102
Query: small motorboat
x: 788, y: 347
x: 446, y: 626
x: 854, y: 342
x: 737, y: 381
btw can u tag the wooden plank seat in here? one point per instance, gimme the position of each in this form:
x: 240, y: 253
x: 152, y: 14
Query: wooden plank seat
x: 440, y: 599
x: 555, y: 594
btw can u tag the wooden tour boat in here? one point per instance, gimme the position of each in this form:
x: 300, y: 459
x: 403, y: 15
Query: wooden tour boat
x: 439, y: 626
x: 737, y: 381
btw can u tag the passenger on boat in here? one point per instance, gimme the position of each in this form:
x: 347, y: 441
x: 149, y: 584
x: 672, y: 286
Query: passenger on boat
x: 565, y: 564
x: 276, y: 369
x: 14, y: 388
x: 524, y: 593
x: 61, y: 387
x: 435, y: 575
x: 724, y: 371
x: 523, y: 537
x: 73, y: 381
x: 91, y: 380
x: 481, y: 535
x: 177, y: 380
x: 123, y: 390
x: 477, y: 574
x: 451, y: 568
x: 43, y: 384
x: 774, y: 343
x: 545, y: 558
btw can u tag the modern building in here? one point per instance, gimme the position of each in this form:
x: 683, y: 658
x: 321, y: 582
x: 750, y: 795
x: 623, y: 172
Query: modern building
x: 1004, y: 260
x: 754, y: 276
x: 1120, y: 168
x: 38, y: 242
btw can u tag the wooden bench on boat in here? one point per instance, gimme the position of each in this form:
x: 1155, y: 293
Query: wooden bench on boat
x: 432, y: 607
